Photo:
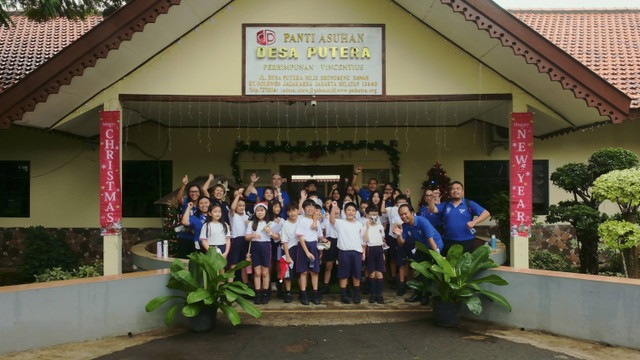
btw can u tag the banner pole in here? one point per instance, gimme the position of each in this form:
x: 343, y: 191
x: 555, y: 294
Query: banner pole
x: 521, y: 176
x: 111, y: 191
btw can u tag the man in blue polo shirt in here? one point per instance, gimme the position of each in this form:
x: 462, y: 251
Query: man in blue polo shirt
x: 372, y: 185
x: 460, y: 216
x: 416, y: 228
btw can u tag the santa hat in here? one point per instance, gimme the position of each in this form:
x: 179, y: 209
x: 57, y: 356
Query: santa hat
x: 257, y: 205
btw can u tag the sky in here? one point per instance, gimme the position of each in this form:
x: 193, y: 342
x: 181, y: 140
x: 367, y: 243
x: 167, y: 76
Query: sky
x: 568, y: 4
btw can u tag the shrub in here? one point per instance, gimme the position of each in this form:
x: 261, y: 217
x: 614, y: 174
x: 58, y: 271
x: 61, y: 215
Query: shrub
x: 87, y: 271
x: 546, y: 260
x: 84, y: 271
x: 43, y: 251
x: 53, y: 274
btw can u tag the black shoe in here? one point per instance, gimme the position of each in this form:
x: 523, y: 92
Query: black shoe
x: 393, y: 285
x: 324, y: 289
x: 287, y: 297
x: 280, y: 290
x: 379, y: 299
x: 304, y: 298
x: 402, y: 289
x: 356, y: 296
x: 344, y: 297
x: 413, y: 298
x: 316, y: 298
x: 424, y: 301
x: 266, y: 296
x: 258, y: 298
x: 372, y: 299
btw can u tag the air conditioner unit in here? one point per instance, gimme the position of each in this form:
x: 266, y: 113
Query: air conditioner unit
x: 499, y: 134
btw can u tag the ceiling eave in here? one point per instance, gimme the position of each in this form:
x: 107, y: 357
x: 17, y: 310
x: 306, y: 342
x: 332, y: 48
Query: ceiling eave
x: 72, y: 61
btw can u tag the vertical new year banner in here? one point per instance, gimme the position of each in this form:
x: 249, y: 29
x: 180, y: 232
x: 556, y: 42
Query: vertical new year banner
x: 521, y: 161
x: 110, y: 189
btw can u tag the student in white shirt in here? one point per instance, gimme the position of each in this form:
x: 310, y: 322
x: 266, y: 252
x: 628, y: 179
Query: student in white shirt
x: 290, y: 246
x: 374, y: 238
x: 239, y: 246
x: 350, y: 233
x: 216, y: 232
x: 308, y: 231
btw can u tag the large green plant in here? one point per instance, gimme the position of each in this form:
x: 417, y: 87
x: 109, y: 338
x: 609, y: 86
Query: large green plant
x: 205, y: 284
x: 453, y: 279
x: 622, y: 187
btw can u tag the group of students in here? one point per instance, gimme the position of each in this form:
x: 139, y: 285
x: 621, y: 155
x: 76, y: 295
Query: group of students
x: 361, y: 234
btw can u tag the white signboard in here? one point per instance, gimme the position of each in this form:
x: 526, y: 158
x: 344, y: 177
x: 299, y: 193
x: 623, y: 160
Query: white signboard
x: 314, y: 60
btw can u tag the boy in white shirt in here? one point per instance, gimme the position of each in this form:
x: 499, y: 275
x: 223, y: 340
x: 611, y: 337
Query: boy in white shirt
x: 350, y: 233
x: 290, y: 246
x: 308, y: 231
x: 374, y: 238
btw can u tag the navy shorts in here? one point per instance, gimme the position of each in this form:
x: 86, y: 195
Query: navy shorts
x: 293, y: 274
x: 261, y: 253
x: 405, y: 251
x: 332, y: 253
x: 304, y: 262
x: 222, y: 249
x: 349, y: 264
x: 238, y: 250
x: 375, y: 259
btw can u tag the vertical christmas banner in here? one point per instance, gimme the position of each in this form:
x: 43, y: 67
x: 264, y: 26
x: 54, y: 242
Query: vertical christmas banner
x: 521, y: 161
x: 110, y: 189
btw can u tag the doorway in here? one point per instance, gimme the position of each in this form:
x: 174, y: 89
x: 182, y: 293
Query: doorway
x: 325, y: 175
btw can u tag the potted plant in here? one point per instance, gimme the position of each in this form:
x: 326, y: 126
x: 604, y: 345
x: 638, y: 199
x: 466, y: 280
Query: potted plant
x: 452, y: 281
x: 206, y: 289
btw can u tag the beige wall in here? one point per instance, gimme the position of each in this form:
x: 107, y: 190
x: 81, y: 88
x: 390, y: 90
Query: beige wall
x: 64, y: 178
x: 65, y: 172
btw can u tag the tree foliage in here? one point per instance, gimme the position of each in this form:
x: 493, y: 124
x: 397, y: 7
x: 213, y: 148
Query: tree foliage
x: 574, y: 178
x: 621, y: 187
x: 609, y: 159
x: 43, y: 10
x: 582, y: 217
x: 583, y: 212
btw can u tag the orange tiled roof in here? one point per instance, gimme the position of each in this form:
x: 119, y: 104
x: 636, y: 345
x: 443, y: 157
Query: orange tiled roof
x: 29, y: 44
x: 605, y: 41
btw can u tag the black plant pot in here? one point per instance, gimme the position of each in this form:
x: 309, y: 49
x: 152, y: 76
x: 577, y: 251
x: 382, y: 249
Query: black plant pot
x: 204, y: 321
x: 446, y: 313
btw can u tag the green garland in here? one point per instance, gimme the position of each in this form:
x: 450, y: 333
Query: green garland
x: 394, y: 155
